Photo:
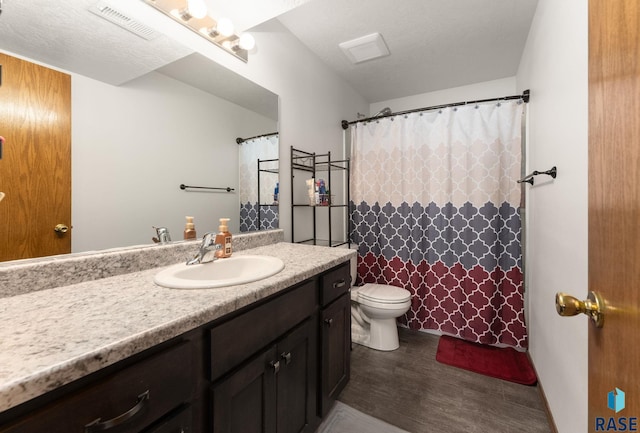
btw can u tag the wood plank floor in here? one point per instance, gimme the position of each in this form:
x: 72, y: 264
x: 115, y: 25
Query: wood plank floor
x: 408, y: 388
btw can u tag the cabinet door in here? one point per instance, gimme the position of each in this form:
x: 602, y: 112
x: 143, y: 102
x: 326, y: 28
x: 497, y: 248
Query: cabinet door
x: 336, y: 350
x: 296, y: 394
x: 245, y: 401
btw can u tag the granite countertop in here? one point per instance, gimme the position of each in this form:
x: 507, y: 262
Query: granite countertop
x: 52, y: 337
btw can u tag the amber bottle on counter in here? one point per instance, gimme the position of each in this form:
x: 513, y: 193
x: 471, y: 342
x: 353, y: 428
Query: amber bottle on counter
x: 189, y: 229
x: 224, y: 238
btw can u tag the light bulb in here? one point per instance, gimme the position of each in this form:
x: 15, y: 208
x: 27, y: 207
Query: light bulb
x: 225, y: 27
x: 197, y: 8
x: 247, y: 42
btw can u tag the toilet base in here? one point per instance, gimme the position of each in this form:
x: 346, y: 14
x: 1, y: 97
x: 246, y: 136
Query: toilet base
x: 379, y: 336
x: 384, y: 335
x: 359, y: 334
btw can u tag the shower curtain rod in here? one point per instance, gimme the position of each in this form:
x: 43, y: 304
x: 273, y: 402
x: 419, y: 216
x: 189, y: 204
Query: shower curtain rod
x: 525, y: 97
x: 241, y: 140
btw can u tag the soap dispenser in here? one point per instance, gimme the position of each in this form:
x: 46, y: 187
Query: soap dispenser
x: 189, y: 229
x: 224, y: 238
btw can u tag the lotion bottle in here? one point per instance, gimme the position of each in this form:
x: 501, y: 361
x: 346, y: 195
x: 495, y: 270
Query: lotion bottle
x: 224, y: 238
x: 189, y: 229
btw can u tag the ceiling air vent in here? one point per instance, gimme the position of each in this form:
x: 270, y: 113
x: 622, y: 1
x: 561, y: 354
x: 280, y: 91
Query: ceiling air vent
x: 365, y: 48
x: 107, y: 12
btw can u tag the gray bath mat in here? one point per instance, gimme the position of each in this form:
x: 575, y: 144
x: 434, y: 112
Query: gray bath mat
x: 345, y: 419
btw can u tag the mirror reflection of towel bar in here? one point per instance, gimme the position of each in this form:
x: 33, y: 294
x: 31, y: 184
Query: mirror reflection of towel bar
x: 228, y: 189
x: 553, y: 172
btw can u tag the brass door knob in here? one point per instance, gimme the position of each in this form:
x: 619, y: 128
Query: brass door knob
x: 61, y: 228
x: 593, y: 306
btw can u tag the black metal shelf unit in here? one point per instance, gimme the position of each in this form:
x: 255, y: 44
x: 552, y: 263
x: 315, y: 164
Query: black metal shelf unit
x: 312, y: 164
x: 266, y: 166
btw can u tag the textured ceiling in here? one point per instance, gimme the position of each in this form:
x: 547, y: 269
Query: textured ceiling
x: 434, y: 44
x: 64, y: 34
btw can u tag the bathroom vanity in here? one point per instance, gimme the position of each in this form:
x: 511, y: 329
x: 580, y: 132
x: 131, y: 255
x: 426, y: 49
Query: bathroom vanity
x: 269, y: 356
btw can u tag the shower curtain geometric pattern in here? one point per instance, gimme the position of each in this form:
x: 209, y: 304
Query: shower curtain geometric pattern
x: 435, y: 211
x: 250, y: 208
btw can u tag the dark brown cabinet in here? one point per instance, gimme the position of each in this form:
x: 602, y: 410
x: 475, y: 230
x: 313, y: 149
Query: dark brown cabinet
x: 336, y: 350
x: 274, y: 391
x: 275, y: 366
x: 335, y: 335
x: 127, y: 401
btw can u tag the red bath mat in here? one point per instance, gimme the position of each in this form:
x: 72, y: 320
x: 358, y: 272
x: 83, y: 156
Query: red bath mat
x: 503, y: 363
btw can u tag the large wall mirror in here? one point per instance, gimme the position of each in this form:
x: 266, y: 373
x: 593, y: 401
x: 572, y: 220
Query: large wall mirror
x: 147, y: 115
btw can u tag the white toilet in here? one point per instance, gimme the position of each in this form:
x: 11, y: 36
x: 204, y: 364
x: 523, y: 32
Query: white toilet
x: 374, y: 309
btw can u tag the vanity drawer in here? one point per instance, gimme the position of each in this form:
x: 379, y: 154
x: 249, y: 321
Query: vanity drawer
x: 335, y: 283
x: 125, y: 402
x: 240, y: 337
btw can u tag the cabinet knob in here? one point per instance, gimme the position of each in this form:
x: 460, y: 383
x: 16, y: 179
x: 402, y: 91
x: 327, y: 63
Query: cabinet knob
x: 329, y: 322
x: 286, y: 357
x: 275, y: 365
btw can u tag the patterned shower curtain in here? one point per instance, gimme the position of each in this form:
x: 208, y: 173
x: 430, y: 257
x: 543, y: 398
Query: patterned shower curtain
x: 254, y: 203
x: 435, y: 211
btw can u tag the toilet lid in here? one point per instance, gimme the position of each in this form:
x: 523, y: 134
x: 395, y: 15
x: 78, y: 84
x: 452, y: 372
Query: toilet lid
x: 384, y: 293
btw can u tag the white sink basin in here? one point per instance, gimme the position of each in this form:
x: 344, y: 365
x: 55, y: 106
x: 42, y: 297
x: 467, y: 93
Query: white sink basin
x: 219, y: 273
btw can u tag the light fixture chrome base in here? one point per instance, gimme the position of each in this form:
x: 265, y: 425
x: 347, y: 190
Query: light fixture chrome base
x: 201, y: 26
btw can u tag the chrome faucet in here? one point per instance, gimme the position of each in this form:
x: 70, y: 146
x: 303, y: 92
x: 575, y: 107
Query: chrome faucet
x: 163, y: 235
x: 208, y: 245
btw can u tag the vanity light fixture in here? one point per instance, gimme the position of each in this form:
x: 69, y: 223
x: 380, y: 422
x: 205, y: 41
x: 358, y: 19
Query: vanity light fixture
x: 193, y: 15
x: 245, y: 42
x: 194, y: 9
x: 223, y: 27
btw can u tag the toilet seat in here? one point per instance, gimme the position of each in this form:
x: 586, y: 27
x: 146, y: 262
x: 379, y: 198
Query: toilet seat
x: 382, y: 294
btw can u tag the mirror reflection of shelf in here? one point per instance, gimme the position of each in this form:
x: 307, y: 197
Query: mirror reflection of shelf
x: 268, y: 167
x: 323, y: 242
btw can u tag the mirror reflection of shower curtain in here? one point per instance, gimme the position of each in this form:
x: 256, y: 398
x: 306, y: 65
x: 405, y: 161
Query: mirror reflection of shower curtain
x: 258, y: 209
x: 435, y: 211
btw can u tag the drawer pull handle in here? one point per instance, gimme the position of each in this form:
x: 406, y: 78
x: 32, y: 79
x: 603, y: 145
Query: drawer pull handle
x: 339, y: 284
x: 286, y: 357
x: 275, y: 365
x: 329, y: 322
x: 98, y: 425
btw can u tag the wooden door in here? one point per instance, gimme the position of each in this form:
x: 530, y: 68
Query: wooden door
x: 614, y: 209
x: 35, y: 169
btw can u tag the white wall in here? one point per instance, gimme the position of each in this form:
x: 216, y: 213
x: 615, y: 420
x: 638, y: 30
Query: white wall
x: 313, y: 101
x: 472, y: 92
x: 133, y: 145
x: 554, y: 66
